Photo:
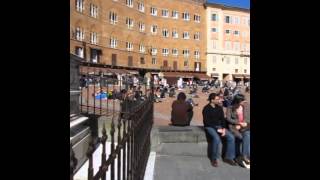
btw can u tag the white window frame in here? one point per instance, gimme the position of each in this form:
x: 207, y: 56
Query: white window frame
x: 154, y: 51
x: 236, y: 46
x: 245, y: 71
x: 165, y: 52
x: 113, y: 42
x: 129, y: 23
x: 185, y: 35
x: 165, y: 33
x: 152, y: 28
x: 197, y: 54
x: 186, y: 16
x: 175, y: 52
x: 197, y: 18
x: 175, y: 34
x: 216, y: 30
x: 129, y: 46
x: 79, y: 34
x: 227, y: 45
x: 79, y: 51
x: 230, y: 32
x: 94, y: 38
x: 236, y: 60
x: 113, y: 17
x: 197, y: 36
x: 227, y: 60
x: 245, y: 61
x: 154, y: 11
x: 175, y: 14
x: 185, y: 53
x: 141, y: 27
x: 80, y: 5
x: 141, y: 6
x: 234, y: 32
x: 214, y: 44
x: 142, y: 48
x: 129, y: 3
x: 93, y: 10
x: 153, y: 60
x: 167, y: 13
x: 214, y: 59
x: 216, y: 15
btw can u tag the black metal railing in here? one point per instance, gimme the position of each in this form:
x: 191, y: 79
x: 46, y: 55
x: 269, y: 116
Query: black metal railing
x: 127, y: 106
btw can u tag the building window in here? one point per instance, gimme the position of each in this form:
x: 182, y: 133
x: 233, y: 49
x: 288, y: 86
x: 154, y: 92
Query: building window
x: 142, y: 60
x: 236, y: 61
x: 165, y: 51
x: 165, y: 13
x: 236, y: 20
x: 129, y: 3
x: 214, y: 44
x: 227, y: 45
x: 129, y: 22
x: 154, y: 61
x: 129, y: 46
x: 197, y: 18
x: 228, y: 19
x: 214, y: 59
x: 142, y: 48
x: 213, y: 69
x: 197, y: 54
x: 153, y: 11
x: 175, y: 52
x: 141, y: 6
x: 79, y: 51
x: 185, y: 53
x: 79, y: 5
x: 154, y: 29
x: 213, y: 29
x: 244, y: 34
x: 186, y: 16
x: 236, y: 33
x: 93, y: 11
x: 236, y: 46
x: 236, y: 70
x: 197, y: 36
x: 185, y: 63
x: 79, y: 34
x: 214, y: 17
x: 141, y: 27
x: 113, y: 42
x: 175, y: 14
x: 153, y: 51
x: 94, y: 56
x: 114, y: 59
x: 185, y: 35
x: 245, y: 61
x: 245, y: 71
x: 175, y: 33
x: 165, y: 33
x: 93, y: 38
x: 228, y: 31
x: 113, y: 17
x: 228, y: 60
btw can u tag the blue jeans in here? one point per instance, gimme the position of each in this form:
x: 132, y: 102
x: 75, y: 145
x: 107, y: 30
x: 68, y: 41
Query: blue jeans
x: 230, y: 150
x: 246, y: 144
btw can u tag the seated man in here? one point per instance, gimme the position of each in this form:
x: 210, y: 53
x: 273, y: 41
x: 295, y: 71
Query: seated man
x: 182, y: 112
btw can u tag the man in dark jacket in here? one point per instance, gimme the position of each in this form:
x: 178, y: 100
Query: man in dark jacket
x: 215, y: 124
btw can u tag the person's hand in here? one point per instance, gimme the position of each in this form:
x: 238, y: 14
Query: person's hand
x: 238, y: 127
x: 223, y: 132
x: 243, y: 124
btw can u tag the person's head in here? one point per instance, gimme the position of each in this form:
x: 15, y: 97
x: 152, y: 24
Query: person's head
x: 247, y: 89
x: 238, y: 100
x: 214, y: 98
x: 181, y: 96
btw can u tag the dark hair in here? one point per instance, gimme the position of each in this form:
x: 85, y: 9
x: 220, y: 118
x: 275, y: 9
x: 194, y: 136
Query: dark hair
x: 247, y: 89
x: 212, y: 96
x: 237, y: 100
x: 182, y: 96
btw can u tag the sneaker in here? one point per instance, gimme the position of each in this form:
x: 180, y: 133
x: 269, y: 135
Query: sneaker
x: 230, y: 161
x: 240, y: 161
x: 246, y: 160
x: 214, y: 163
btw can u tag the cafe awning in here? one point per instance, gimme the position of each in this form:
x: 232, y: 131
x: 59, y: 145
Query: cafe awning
x: 214, y: 74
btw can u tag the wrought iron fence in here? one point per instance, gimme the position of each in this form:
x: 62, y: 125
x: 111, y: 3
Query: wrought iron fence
x: 127, y: 104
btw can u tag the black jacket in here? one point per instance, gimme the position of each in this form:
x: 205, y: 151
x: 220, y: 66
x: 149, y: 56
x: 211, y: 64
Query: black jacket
x: 213, y: 117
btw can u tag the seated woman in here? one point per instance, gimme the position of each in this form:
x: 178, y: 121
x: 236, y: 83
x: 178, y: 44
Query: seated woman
x: 182, y: 112
x: 239, y: 124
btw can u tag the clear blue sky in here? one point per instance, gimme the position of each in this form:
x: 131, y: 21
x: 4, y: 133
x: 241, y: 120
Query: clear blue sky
x: 236, y: 3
